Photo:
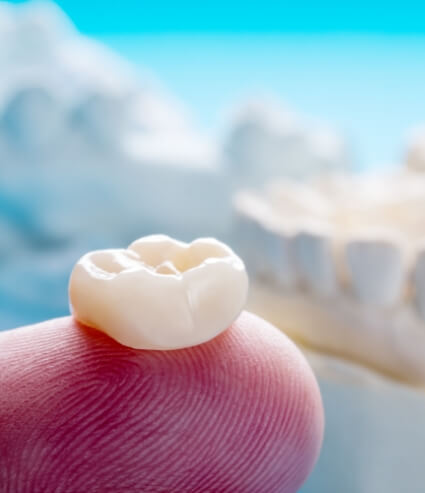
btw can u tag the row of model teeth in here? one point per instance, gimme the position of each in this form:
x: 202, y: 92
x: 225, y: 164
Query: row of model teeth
x: 375, y: 269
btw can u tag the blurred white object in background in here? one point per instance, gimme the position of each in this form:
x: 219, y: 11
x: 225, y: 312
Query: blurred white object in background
x: 68, y: 110
x: 375, y: 434
x: 22, y: 114
x: 267, y: 141
x: 29, y: 33
x: 415, y: 155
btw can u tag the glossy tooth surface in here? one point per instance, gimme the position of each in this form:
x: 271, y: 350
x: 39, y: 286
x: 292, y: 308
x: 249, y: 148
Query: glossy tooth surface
x: 377, y: 270
x: 160, y: 293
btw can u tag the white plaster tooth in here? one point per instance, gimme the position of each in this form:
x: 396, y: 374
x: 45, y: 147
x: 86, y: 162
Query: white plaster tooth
x: 266, y: 243
x: 102, y: 116
x: 160, y: 293
x: 377, y: 269
x: 246, y: 234
x: 315, y: 260
x: 249, y: 209
x: 415, y: 156
x: 32, y: 118
x: 419, y: 281
x: 278, y: 257
x: 266, y: 141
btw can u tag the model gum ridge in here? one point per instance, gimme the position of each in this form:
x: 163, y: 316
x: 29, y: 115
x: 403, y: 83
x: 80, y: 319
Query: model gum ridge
x: 339, y: 264
x: 160, y: 293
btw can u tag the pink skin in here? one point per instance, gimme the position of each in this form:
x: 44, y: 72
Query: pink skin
x: 81, y: 413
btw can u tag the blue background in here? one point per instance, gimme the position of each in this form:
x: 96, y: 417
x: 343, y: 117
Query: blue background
x: 133, y: 16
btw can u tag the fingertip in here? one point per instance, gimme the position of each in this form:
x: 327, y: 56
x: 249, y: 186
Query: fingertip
x: 240, y: 413
x: 300, y: 399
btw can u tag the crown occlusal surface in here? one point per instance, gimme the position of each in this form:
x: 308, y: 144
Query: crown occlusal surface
x: 160, y: 293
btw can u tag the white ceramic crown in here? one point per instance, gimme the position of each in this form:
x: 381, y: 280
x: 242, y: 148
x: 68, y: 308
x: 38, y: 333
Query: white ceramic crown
x: 160, y: 293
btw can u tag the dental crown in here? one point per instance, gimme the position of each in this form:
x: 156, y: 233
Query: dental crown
x: 160, y: 293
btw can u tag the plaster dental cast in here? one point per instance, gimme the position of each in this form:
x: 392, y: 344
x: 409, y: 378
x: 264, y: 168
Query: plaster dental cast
x: 157, y: 382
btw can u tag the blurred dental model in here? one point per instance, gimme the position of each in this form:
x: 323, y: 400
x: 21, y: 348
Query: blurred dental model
x: 348, y: 249
x: 338, y: 263
x: 415, y: 155
x: 70, y: 112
